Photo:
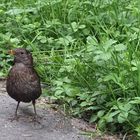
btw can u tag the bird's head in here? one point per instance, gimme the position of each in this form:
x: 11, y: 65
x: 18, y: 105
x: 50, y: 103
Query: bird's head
x: 22, y: 56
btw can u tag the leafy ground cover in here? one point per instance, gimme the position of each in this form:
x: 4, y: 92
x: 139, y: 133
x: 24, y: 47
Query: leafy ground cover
x: 87, y: 52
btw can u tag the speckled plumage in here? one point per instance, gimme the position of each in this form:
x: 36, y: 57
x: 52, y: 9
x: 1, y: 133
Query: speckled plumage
x: 23, y: 83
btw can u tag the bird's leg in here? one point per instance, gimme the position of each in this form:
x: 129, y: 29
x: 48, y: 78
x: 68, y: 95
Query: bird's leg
x: 17, y: 108
x: 35, y: 115
x: 15, y: 117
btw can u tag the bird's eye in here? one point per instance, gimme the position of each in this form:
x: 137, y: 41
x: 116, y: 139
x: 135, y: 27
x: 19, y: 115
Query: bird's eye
x: 21, y: 53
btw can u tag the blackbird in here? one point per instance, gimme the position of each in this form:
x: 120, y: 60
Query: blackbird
x: 23, y: 83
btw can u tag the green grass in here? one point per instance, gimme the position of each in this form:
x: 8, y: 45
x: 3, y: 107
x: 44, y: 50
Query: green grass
x: 86, y: 51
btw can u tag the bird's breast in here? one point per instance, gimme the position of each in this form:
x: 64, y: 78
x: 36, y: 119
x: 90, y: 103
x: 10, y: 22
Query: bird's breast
x: 23, y: 83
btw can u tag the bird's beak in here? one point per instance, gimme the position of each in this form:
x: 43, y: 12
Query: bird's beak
x: 12, y: 52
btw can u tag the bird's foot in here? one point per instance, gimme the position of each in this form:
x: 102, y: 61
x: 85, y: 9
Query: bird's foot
x: 37, y: 123
x: 35, y: 120
x: 15, y: 118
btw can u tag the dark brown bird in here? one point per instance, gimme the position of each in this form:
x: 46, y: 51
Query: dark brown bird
x: 23, y: 83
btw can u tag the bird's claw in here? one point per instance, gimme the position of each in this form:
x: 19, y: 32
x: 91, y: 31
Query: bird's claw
x: 15, y: 118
